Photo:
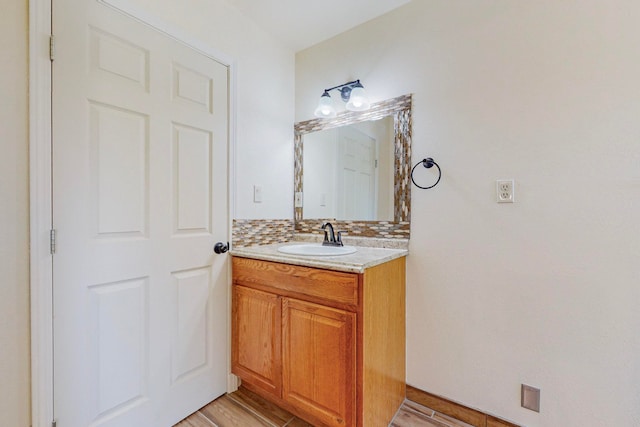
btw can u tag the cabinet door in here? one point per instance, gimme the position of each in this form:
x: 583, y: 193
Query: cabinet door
x: 319, y: 361
x: 256, y: 338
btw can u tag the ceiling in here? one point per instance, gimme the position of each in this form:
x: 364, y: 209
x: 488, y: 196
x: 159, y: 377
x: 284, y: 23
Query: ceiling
x: 302, y: 23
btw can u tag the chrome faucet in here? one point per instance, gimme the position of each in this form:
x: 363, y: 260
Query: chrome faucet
x: 330, y: 237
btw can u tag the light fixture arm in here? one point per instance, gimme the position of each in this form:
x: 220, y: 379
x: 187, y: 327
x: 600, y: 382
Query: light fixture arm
x: 352, y: 93
x: 345, y: 89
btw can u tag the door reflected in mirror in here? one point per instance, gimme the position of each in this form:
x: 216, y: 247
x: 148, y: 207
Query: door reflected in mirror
x: 348, y: 172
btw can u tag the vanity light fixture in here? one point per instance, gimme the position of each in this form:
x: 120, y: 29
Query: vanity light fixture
x: 352, y: 93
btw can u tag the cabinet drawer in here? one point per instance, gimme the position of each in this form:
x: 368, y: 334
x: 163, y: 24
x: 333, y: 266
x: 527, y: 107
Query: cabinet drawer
x: 298, y: 281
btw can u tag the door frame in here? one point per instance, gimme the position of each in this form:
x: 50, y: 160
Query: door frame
x: 41, y: 185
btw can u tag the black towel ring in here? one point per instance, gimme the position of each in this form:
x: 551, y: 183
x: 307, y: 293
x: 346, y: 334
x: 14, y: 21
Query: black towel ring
x: 427, y: 163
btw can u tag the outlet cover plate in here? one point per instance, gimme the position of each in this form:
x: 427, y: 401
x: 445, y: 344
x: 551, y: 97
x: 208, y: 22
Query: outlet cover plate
x: 504, y: 190
x: 530, y: 398
x: 257, y: 194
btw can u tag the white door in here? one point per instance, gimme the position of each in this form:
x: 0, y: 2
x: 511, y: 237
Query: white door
x: 139, y: 199
x: 356, y: 175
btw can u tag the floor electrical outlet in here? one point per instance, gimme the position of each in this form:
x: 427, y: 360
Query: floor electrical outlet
x: 504, y: 190
x: 530, y: 398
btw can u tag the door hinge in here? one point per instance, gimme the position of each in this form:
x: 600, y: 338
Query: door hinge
x: 52, y: 47
x: 52, y: 243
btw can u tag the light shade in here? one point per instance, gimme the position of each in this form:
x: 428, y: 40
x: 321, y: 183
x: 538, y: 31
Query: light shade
x: 325, y: 107
x: 358, y: 100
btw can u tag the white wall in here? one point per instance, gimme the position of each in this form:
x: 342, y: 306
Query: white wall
x: 545, y: 291
x: 319, y: 170
x: 14, y: 218
x: 265, y: 111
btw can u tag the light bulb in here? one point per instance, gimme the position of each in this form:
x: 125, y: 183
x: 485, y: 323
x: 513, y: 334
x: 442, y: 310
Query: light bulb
x: 325, y: 107
x: 358, y: 100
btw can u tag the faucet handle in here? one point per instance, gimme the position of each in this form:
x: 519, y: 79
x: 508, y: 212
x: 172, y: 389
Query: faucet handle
x: 339, y: 238
x: 326, y: 234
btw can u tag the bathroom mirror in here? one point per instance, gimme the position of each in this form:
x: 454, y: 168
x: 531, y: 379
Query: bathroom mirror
x: 348, y: 172
x: 354, y: 170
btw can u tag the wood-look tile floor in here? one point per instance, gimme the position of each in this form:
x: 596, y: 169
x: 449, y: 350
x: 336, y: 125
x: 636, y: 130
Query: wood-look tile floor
x: 246, y: 409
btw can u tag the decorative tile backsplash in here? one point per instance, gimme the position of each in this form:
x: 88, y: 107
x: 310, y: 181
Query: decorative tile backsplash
x: 379, y: 229
x: 256, y: 232
x: 251, y: 232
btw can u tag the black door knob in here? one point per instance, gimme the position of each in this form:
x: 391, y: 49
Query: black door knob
x: 221, y: 248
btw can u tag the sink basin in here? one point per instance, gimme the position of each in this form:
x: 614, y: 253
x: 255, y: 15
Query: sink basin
x: 310, y: 249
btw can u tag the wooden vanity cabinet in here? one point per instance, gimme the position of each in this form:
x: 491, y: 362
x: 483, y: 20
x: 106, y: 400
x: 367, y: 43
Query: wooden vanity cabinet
x: 328, y: 346
x: 319, y: 364
x: 257, y: 343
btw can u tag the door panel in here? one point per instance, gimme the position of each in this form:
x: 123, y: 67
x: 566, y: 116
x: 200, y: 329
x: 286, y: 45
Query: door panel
x: 120, y: 345
x: 119, y: 143
x: 191, y: 170
x: 190, y: 323
x: 319, y: 360
x: 120, y: 61
x: 140, y: 198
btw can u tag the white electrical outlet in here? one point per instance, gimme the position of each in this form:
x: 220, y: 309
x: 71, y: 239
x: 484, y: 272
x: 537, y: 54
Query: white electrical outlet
x: 504, y: 190
x: 297, y: 202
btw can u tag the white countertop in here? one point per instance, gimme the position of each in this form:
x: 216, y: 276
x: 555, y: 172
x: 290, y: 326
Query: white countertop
x: 357, y: 262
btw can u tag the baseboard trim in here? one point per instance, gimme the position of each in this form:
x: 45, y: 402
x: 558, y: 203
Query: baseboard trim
x: 456, y: 410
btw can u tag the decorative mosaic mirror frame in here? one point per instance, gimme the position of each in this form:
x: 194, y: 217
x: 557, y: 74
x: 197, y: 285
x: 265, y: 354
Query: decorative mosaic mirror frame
x: 400, y: 109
